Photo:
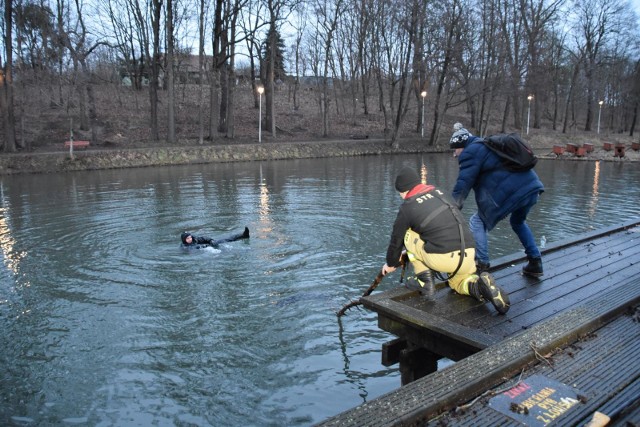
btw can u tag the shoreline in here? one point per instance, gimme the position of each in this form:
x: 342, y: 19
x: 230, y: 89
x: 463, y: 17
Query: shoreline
x: 118, y: 158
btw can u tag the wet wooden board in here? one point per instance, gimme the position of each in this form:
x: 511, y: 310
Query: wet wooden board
x: 604, y: 367
x: 455, y: 326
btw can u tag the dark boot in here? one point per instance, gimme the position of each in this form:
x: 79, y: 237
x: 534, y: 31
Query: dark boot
x: 422, y: 283
x: 533, y: 267
x: 482, y: 267
x: 485, y: 289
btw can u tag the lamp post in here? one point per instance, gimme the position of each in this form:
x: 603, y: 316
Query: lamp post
x: 423, y: 94
x: 599, y: 114
x: 530, y: 97
x: 260, y: 92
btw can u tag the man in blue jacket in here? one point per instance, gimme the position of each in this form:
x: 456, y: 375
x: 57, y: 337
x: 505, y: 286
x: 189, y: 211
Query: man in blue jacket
x: 499, y: 193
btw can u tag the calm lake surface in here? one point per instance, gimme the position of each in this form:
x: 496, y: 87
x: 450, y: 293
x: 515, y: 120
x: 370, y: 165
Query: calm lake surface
x: 105, y: 321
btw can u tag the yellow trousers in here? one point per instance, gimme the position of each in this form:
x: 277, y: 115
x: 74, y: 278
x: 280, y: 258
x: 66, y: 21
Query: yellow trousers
x: 445, y: 263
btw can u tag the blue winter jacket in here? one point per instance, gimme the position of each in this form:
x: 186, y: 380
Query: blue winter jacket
x: 498, y: 191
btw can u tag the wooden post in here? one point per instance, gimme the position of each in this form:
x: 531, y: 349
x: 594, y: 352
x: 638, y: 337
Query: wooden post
x: 416, y: 363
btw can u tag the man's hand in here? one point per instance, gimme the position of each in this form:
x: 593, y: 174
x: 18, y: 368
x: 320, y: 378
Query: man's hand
x: 386, y: 269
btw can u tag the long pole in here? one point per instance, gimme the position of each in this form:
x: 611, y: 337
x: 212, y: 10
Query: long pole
x: 260, y: 119
x: 528, y: 113
x: 422, y: 130
x: 423, y: 94
x: 599, y: 114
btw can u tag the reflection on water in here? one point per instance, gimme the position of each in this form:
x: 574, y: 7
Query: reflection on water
x: 105, y: 321
x: 593, y: 204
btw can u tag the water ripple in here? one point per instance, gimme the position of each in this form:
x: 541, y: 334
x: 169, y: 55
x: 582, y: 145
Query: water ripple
x: 107, y: 321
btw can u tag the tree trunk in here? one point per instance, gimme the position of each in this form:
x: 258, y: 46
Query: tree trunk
x: 92, y: 114
x: 231, y: 85
x: 81, y: 88
x: 214, y: 101
x: 270, y: 119
x: 224, y: 98
x: 155, y: 69
x: 171, y: 131
x: 7, y: 82
x: 201, y: 74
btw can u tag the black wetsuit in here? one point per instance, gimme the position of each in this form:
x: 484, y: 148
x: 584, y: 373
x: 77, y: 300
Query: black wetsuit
x: 198, y: 242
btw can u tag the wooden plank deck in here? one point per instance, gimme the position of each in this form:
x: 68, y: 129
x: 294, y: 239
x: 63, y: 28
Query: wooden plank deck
x: 602, y: 369
x: 456, y: 326
x: 590, y: 282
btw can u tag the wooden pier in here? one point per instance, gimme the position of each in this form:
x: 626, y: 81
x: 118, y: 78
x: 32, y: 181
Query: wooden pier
x: 568, y: 348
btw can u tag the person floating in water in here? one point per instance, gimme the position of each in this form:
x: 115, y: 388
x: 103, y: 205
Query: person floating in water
x: 197, y: 242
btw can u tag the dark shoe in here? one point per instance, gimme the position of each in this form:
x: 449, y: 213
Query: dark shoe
x: 533, y: 267
x: 422, y: 283
x: 413, y: 284
x: 482, y: 267
x: 485, y: 289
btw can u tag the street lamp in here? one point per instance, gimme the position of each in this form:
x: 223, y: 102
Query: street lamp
x: 530, y: 97
x: 599, y: 114
x: 423, y: 94
x: 260, y: 92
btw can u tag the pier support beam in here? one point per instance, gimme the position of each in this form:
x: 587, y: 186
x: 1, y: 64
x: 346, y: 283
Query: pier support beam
x: 416, y: 362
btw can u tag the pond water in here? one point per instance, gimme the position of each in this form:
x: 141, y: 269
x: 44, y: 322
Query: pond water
x: 105, y: 321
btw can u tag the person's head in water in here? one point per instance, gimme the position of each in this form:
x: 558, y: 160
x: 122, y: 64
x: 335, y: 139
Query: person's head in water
x: 186, y: 238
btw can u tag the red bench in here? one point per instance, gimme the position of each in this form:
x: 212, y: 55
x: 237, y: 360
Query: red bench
x: 76, y: 144
x: 571, y: 148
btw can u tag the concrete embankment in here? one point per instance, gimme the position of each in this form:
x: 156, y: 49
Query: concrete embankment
x: 97, y: 158
x: 100, y: 157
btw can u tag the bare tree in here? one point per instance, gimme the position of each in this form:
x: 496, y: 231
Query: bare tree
x: 75, y: 40
x: 171, y: 119
x: 536, y: 18
x: 231, y: 75
x: 6, y: 97
x: 570, y: 104
x: 450, y: 43
x: 516, y: 59
x: 420, y: 82
x: 296, y: 50
x: 597, y: 22
x: 123, y: 26
x: 328, y: 14
x: 278, y: 11
x: 224, y: 61
x: 635, y: 98
x: 396, y: 29
x: 154, y: 60
x: 251, y: 23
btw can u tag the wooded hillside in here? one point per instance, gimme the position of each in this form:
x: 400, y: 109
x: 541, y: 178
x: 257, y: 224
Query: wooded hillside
x: 130, y: 71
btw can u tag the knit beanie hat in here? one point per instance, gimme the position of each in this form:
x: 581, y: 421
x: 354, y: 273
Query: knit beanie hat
x: 407, y: 179
x: 459, y: 139
x: 457, y: 126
